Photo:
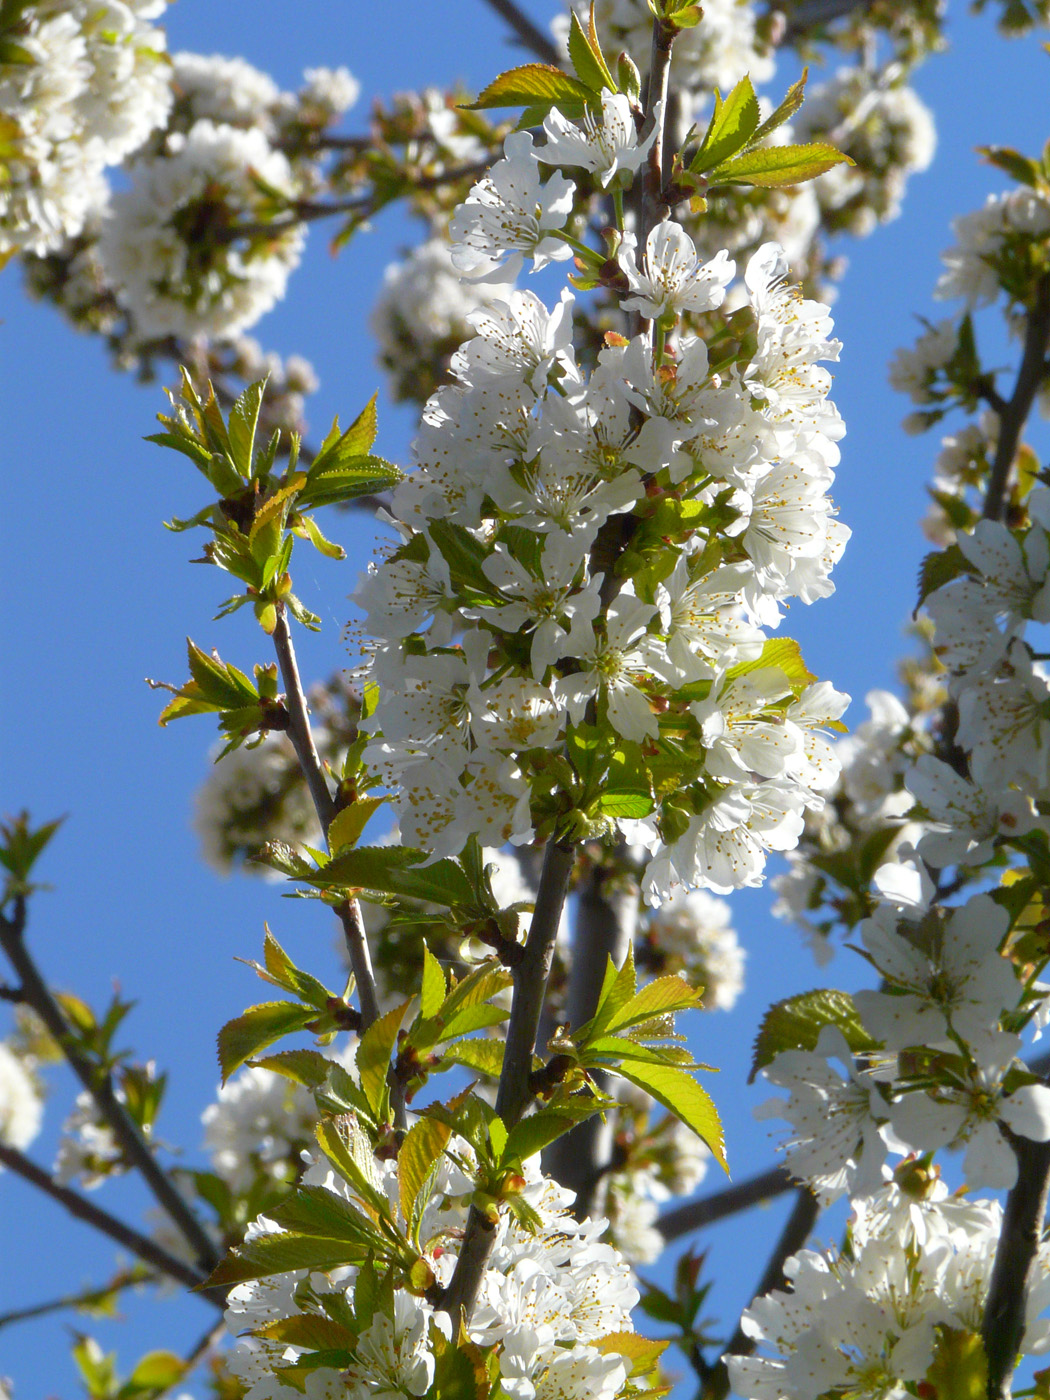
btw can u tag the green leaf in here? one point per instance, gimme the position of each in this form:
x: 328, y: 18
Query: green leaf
x: 307, y: 1067
x: 796, y: 1024
x: 282, y: 972
x: 464, y: 555
x: 277, y: 1254
x: 309, y: 526
x: 396, y: 870
x: 536, y: 84
x: 586, y: 55
x: 939, y: 568
x: 959, y: 1369
x: 497, y: 1135
x: 373, y: 1057
x: 434, y: 989
x: 357, y: 441
x: 732, y: 125
x: 626, y: 804
x: 241, y: 425
x: 350, y: 1151
x: 793, y: 99
x: 681, y: 1095
x: 258, y: 1027
x: 416, y: 1159
x: 223, y: 686
x: 618, y: 986
x: 355, y: 476
x: 310, y: 1331
x: 661, y: 997
x: 784, y: 654
x: 532, y: 1134
x: 346, y: 826
x: 775, y: 166
x: 1017, y: 166
x: 485, y: 1056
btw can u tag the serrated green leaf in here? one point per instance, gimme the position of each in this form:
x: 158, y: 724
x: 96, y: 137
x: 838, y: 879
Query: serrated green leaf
x: 396, y: 870
x: 354, y: 477
x: 434, y: 988
x: 661, y: 997
x: 484, y: 1056
x: 532, y: 1134
x: 242, y: 421
x: 616, y: 803
x: 307, y: 1067
x: 373, y: 1057
x: 782, y: 653
x: 310, y: 1331
x: 309, y: 526
x: 796, y: 1024
x: 258, y: 1027
x: 497, y: 1135
x: 220, y: 684
x: 959, y: 1369
x: 771, y: 167
x: 586, y: 55
x: 417, y: 1157
x: 535, y: 85
x: 347, y: 825
x: 350, y: 1151
x: 277, y: 1254
x: 681, y: 1095
x: 733, y: 123
x: 793, y: 99
x: 618, y: 986
x: 939, y: 568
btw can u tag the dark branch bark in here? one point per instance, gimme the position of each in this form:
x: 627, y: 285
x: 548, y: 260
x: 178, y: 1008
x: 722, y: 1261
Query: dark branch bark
x: 605, y: 928
x: 530, y: 986
x: 1023, y: 1217
x: 529, y: 34
x: 694, y: 1215
x: 99, y: 1084
x: 1015, y: 413
x: 301, y: 735
x: 82, y: 1209
x: 794, y: 1235
x: 88, y: 1297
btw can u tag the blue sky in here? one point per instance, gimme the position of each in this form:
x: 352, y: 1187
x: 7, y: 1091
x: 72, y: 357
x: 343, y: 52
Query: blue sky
x: 100, y: 597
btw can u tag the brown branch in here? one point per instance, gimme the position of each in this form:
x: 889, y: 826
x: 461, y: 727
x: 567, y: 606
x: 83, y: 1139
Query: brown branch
x: 529, y: 34
x: 99, y: 1084
x: 512, y: 1096
x: 1014, y: 414
x: 90, y: 1297
x: 605, y: 928
x: 301, y: 735
x: 794, y: 1235
x: 1015, y: 1256
x: 82, y: 1209
x: 808, y: 15
x: 694, y: 1215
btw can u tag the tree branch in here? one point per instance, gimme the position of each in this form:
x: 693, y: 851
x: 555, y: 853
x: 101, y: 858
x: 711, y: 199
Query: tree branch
x: 529, y: 34
x: 1015, y: 1255
x: 301, y: 735
x: 1014, y: 414
x: 82, y: 1209
x: 99, y: 1085
x: 605, y: 928
x: 530, y: 985
x: 694, y: 1215
x: 90, y: 1297
x: 794, y: 1235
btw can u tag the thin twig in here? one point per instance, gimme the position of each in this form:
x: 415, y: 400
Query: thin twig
x: 99, y: 1084
x: 1014, y: 414
x: 794, y: 1235
x: 530, y: 35
x: 79, y: 1206
x: 1015, y: 1257
x: 694, y: 1215
x: 90, y: 1297
x: 530, y: 986
x: 605, y: 928
x: 302, y: 737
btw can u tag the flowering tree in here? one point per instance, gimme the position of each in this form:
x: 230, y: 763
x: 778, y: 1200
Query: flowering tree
x: 434, y: 1164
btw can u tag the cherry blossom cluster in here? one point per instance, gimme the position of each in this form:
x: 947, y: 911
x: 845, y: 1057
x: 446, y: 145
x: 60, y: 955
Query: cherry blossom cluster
x: 82, y: 85
x: 552, y: 1303
x: 525, y: 448
x: 868, y: 1322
